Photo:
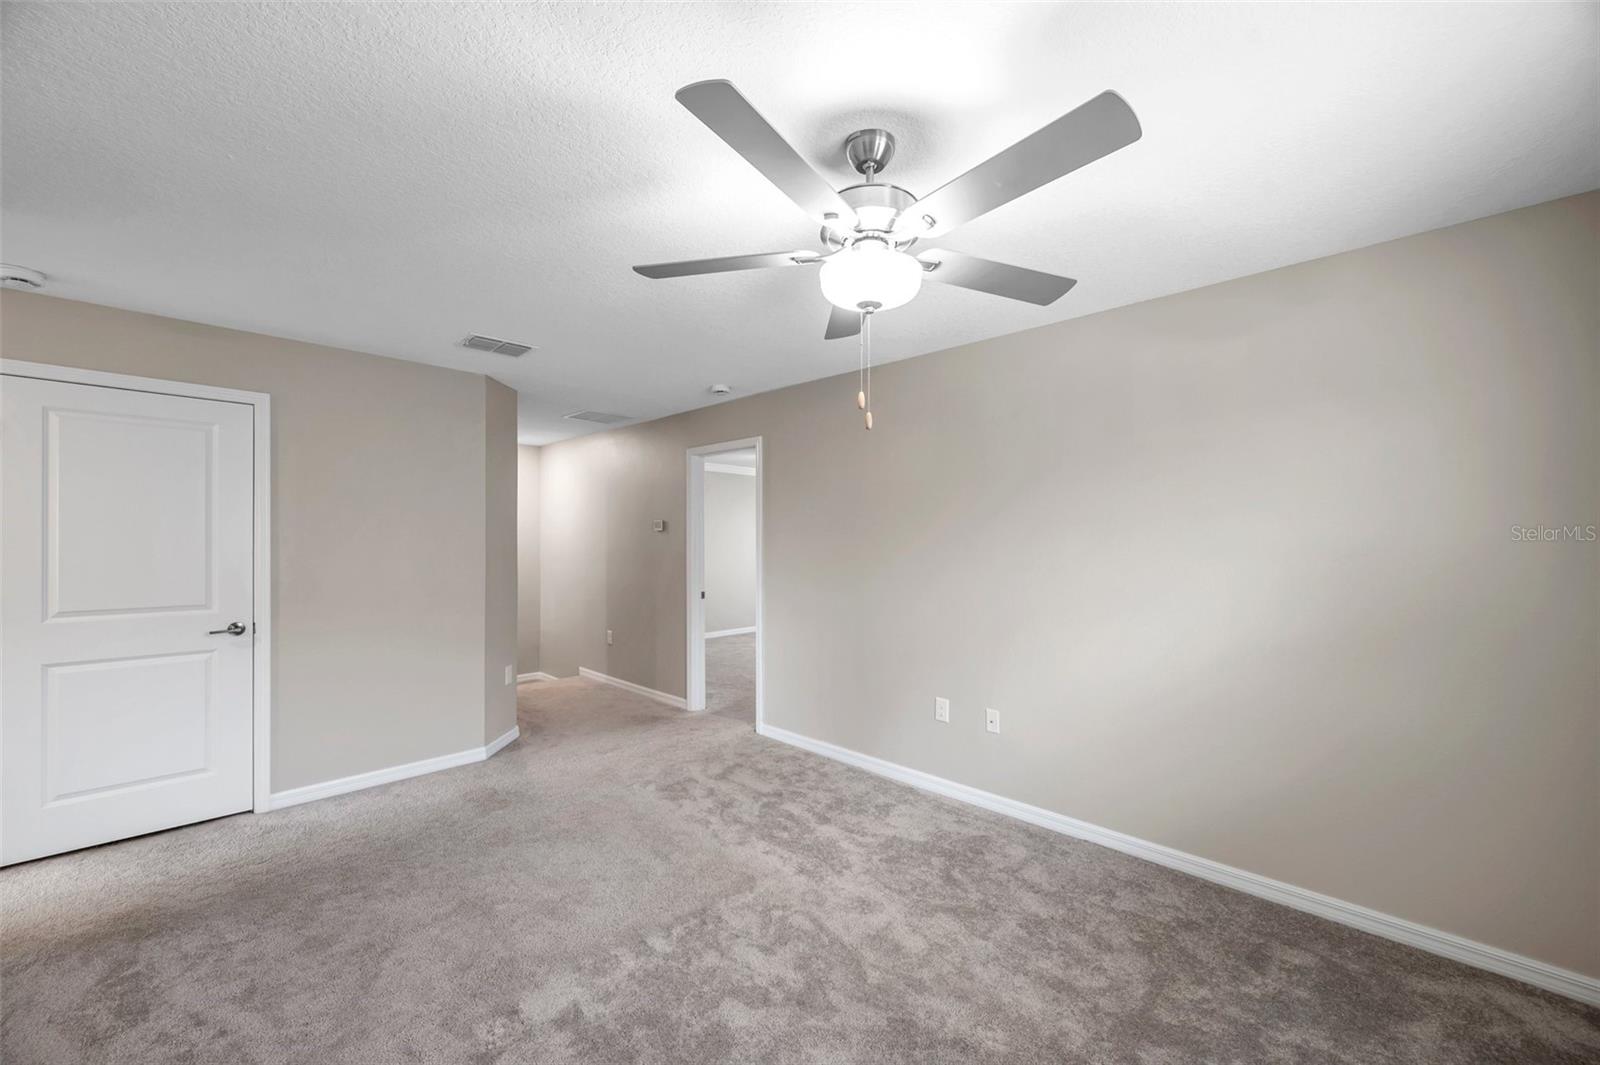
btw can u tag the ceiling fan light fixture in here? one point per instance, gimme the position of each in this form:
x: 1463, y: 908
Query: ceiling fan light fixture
x: 870, y: 272
x: 868, y: 227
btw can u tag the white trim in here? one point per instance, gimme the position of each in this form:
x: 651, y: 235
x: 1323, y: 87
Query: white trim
x: 637, y: 689
x: 723, y: 467
x: 261, y: 580
x: 694, y: 571
x: 361, y: 781
x: 523, y: 678
x: 747, y: 630
x: 1458, y: 948
x: 128, y: 382
x: 262, y: 800
x: 493, y: 747
x: 694, y: 555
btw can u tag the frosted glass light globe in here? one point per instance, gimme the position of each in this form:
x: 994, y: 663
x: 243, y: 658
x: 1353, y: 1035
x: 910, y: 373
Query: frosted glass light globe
x: 869, y: 272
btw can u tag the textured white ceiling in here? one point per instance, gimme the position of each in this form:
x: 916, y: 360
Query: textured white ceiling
x: 393, y: 177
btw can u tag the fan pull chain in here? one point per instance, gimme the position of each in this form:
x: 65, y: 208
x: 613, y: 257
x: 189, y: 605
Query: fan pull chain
x: 866, y: 345
x: 864, y: 361
x: 861, y: 363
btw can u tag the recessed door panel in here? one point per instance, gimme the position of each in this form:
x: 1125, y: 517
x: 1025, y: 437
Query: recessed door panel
x: 125, y: 723
x: 126, y: 552
x: 127, y: 513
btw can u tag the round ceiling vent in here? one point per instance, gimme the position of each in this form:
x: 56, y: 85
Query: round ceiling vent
x: 20, y: 277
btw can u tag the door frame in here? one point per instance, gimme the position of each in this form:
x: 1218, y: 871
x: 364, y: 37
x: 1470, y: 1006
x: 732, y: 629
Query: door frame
x: 261, y: 548
x: 695, y: 550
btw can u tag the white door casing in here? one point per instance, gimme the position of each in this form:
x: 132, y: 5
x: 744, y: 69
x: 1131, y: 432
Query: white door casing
x: 128, y: 537
x: 695, y: 685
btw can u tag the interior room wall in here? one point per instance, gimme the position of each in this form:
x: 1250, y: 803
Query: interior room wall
x: 527, y: 559
x: 1252, y: 571
x: 380, y: 495
x: 730, y: 517
x: 501, y: 564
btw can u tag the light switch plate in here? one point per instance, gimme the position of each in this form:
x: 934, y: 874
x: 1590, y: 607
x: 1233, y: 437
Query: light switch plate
x: 941, y: 708
x: 511, y: 676
x: 992, y: 719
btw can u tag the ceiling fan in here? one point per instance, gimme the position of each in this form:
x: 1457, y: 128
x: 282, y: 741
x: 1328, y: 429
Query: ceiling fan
x: 868, y: 229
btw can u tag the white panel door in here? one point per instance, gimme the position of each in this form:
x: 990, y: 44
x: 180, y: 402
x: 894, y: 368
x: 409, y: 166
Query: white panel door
x: 126, y: 543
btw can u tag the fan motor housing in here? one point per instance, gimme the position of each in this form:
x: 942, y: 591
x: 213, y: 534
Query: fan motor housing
x: 892, y: 199
x: 877, y: 194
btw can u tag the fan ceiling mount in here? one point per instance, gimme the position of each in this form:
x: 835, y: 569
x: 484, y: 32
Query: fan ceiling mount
x: 869, y: 229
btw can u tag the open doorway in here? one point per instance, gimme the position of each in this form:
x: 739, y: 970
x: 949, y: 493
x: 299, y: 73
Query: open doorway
x: 724, y: 585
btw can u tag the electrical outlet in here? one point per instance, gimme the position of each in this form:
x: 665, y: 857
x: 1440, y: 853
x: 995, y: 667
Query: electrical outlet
x: 608, y: 637
x: 992, y: 720
x: 511, y: 676
x: 941, y: 708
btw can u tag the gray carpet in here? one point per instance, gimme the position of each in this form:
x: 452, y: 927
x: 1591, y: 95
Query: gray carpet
x: 731, y: 677
x: 628, y: 883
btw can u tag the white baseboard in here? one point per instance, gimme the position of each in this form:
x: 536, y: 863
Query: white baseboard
x: 523, y: 677
x: 493, y: 747
x: 638, y: 689
x: 731, y: 632
x: 329, y: 788
x: 1517, y: 967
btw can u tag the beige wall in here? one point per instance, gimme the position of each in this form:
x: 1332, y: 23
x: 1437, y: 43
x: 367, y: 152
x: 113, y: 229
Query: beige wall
x: 380, y: 541
x: 1237, y: 567
x: 730, y: 517
x: 500, y: 560
x: 527, y: 559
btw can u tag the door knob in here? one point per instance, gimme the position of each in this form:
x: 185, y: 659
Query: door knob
x: 234, y: 629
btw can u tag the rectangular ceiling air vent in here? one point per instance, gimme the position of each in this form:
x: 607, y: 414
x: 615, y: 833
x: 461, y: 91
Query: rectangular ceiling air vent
x: 496, y: 345
x: 597, y: 416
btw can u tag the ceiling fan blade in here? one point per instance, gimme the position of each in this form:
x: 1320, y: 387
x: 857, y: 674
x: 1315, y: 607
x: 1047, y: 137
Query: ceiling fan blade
x: 729, y: 115
x: 842, y: 323
x: 1000, y: 279
x: 690, y: 267
x: 1077, y: 138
